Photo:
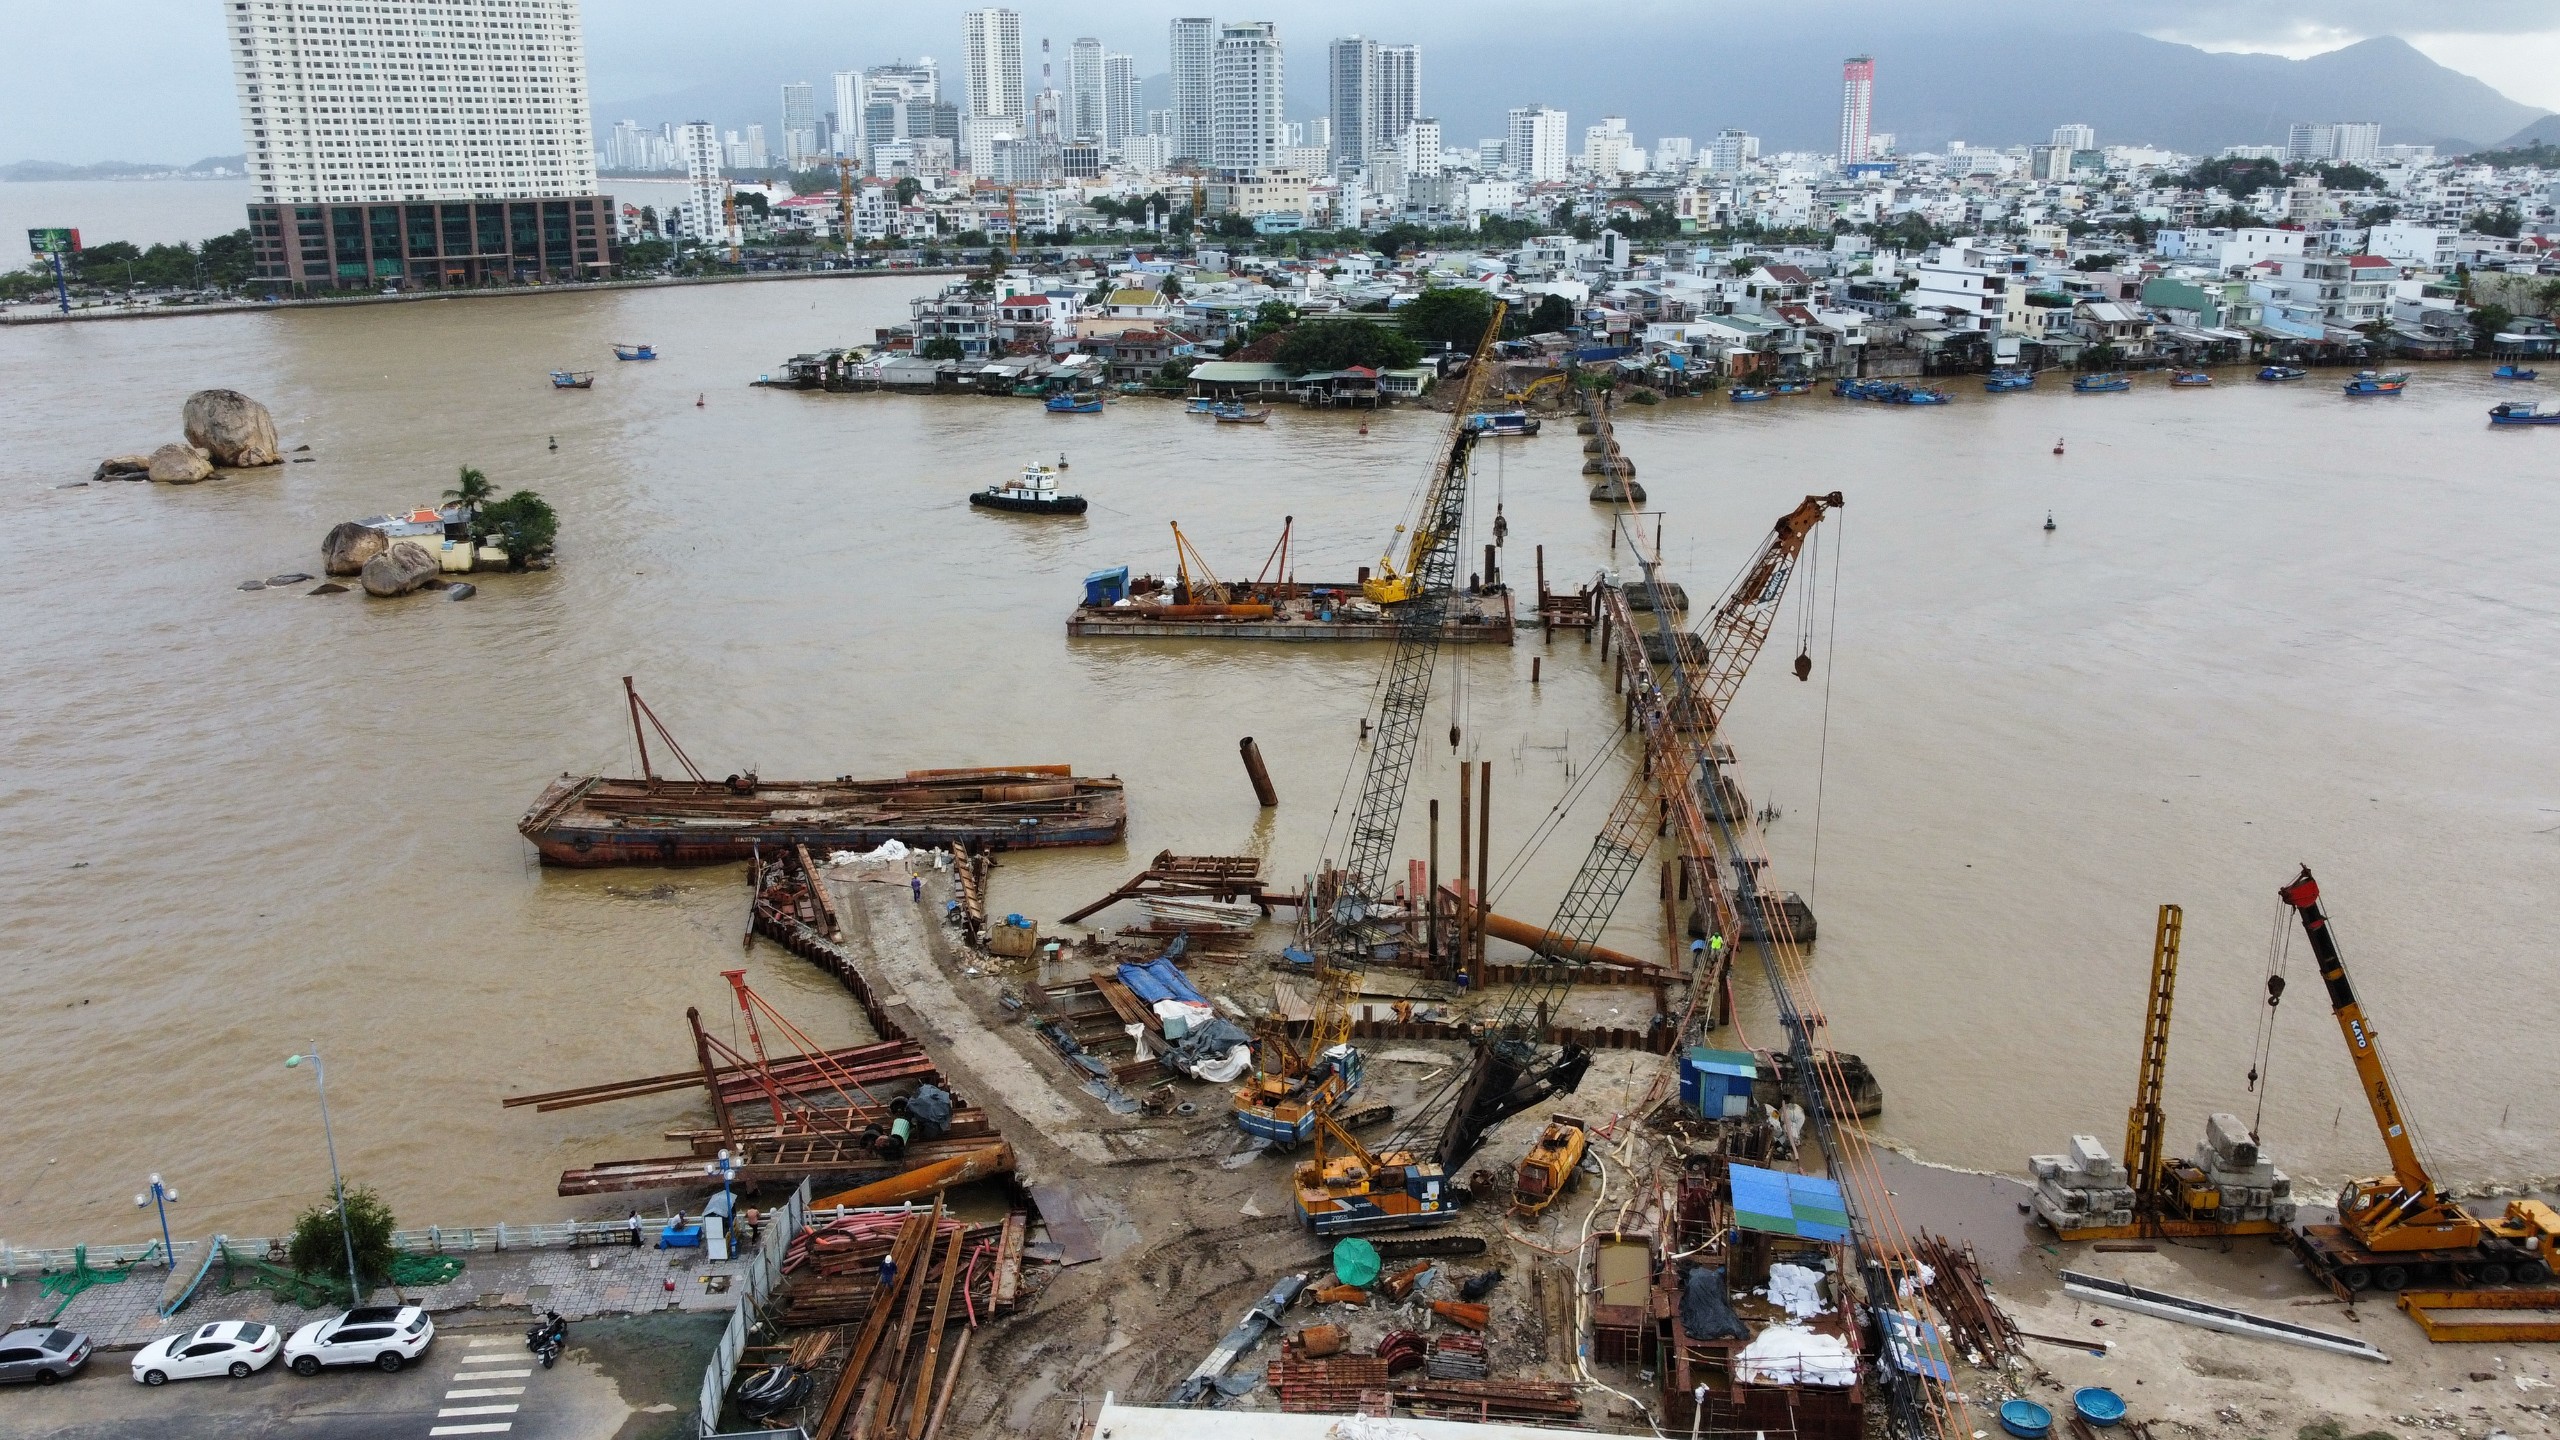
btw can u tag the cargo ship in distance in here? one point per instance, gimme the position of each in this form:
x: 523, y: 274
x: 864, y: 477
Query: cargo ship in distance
x: 597, y: 820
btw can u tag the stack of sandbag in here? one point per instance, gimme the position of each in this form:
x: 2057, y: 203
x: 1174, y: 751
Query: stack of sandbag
x: 2083, y: 1189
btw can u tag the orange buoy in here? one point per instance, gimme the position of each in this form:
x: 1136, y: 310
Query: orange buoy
x: 2057, y: 447
x: 697, y: 404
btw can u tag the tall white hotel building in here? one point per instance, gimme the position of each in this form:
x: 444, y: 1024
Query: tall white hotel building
x: 423, y: 142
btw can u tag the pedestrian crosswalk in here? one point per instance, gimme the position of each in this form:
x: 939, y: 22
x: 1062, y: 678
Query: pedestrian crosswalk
x: 472, y: 1405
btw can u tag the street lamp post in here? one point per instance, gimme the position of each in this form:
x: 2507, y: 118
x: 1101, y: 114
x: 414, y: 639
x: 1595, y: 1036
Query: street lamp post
x: 164, y: 1197
x: 320, y: 1074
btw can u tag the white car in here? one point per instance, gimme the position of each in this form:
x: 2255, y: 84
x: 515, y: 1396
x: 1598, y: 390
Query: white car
x: 384, y: 1336
x: 237, y: 1348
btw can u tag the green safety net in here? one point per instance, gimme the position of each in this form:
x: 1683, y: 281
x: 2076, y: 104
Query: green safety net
x: 80, y: 1277
x: 320, y: 1291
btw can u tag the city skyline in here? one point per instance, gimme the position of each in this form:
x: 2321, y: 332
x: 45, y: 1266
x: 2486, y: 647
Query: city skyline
x: 180, y: 97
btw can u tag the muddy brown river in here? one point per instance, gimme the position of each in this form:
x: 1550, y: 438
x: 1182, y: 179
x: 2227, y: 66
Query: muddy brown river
x: 2270, y: 626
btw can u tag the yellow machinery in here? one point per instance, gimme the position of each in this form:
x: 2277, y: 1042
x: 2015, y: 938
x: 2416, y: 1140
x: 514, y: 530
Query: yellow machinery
x: 2171, y: 1197
x: 2398, y: 1229
x: 1204, y: 596
x: 1547, y: 1170
x: 1393, y: 584
x: 1530, y: 392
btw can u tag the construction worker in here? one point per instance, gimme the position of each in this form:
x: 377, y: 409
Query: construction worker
x: 915, y: 884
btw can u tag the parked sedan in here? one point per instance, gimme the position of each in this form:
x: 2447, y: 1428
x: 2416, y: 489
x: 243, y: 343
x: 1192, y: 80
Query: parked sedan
x: 237, y: 1348
x: 42, y: 1355
x: 384, y: 1336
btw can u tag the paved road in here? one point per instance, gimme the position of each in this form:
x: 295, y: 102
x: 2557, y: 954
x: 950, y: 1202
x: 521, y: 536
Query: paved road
x: 469, y: 1383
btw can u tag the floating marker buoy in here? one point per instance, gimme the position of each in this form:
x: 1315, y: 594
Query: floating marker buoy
x: 1062, y: 459
x: 555, y: 442
x: 697, y: 404
x: 2048, y: 520
x: 2057, y: 447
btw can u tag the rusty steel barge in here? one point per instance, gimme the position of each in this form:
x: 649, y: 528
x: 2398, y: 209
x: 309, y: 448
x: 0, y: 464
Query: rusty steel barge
x: 596, y: 820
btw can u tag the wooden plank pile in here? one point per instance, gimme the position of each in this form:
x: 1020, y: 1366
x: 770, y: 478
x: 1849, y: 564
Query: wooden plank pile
x: 1171, y: 880
x: 831, y: 1274
x: 896, y: 1383
x: 1338, y: 1385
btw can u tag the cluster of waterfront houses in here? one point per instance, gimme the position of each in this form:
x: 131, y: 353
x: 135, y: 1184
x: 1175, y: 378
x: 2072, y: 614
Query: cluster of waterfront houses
x: 1686, y: 315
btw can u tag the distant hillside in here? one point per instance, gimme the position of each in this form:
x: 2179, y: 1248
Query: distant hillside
x: 1937, y: 79
x: 2545, y: 131
x: 1956, y: 83
x: 118, y: 169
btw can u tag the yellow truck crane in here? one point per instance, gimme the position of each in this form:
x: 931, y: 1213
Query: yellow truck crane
x: 2399, y: 1229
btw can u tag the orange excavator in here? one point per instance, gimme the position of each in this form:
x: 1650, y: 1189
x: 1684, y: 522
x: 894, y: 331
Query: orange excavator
x: 2397, y: 1229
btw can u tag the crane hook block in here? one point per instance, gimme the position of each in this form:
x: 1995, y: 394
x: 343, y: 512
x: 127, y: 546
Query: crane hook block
x: 2275, y: 990
x: 1804, y: 667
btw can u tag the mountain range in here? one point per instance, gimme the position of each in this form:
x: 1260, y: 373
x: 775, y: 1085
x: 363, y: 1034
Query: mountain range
x: 1933, y: 84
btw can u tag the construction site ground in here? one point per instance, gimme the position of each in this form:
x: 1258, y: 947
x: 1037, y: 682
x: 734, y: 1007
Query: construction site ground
x: 1195, y: 1227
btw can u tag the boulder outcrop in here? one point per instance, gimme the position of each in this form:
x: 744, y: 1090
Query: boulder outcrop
x: 179, y: 465
x: 123, y: 467
x: 348, y: 546
x: 236, y: 431
x: 397, y: 571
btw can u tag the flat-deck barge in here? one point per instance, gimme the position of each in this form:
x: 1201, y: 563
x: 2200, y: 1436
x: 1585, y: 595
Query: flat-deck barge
x: 595, y: 820
x: 1300, y: 612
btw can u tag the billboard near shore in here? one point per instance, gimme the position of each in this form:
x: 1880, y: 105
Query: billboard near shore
x: 54, y: 242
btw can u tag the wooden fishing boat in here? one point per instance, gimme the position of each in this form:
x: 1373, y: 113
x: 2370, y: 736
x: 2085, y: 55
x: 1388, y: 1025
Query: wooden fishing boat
x: 2517, y: 412
x: 1744, y: 395
x: 1238, y: 415
x: 2275, y: 373
x: 1075, y: 405
x: 2102, y: 384
x: 2190, y: 379
x: 2514, y: 372
x: 573, y: 379
x: 2369, y: 382
x: 634, y: 352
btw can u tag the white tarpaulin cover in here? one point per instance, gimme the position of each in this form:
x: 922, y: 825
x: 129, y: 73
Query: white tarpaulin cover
x: 1793, y: 1355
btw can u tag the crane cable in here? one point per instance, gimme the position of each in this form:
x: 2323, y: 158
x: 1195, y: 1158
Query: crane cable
x: 1830, y: 656
x: 2262, y: 1049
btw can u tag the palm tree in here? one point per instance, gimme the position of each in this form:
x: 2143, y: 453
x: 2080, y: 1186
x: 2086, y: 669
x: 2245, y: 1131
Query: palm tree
x: 471, y: 491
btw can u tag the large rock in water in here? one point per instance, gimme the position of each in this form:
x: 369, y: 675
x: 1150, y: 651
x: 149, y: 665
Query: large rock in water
x: 397, y: 571
x: 234, y: 429
x: 349, y: 545
x: 123, y: 467
x: 179, y: 465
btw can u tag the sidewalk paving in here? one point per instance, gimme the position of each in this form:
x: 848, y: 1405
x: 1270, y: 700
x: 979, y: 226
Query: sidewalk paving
x: 579, y: 1283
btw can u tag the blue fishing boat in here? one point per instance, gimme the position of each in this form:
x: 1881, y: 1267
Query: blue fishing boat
x: 1848, y: 389
x: 2515, y: 412
x: 1744, y: 395
x: 1999, y: 381
x: 1201, y: 405
x: 573, y: 379
x: 2514, y: 372
x: 2106, y: 383
x: 1915, y: 395
x: 2189, y: 378
x: 1792, y: 387
x: 2369, y: 382
x: 634, y: 352
x: 2282, y: 372
x: 1502, y: 422
x: 1075, y: 405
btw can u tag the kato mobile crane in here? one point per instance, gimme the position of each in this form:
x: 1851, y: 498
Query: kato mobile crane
x: 2400, y: 1228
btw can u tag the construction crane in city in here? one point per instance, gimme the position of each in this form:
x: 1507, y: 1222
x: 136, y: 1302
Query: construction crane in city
x: 844, y: 200
x: 2173, y: 1197
x: 1286, y: 1098
x: 1512, y: 1068
x: 2401, y: 1227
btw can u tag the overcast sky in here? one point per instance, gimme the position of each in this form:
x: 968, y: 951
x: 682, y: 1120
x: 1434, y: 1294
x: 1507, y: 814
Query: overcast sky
x: 149, y: 79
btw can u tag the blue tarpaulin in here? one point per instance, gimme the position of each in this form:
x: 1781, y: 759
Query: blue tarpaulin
x: 1915, y: 1345
x: 1160, y: 980
x: 1783, y: 1203
x: 1590, y: 354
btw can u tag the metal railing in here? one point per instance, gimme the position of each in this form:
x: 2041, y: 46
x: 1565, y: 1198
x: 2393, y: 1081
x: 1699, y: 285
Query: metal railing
x: 434, y: 1240
x: 758, y: 1281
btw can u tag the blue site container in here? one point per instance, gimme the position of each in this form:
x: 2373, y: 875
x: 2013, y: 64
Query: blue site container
x: 1716, y: 1084
x: 1107, y: 587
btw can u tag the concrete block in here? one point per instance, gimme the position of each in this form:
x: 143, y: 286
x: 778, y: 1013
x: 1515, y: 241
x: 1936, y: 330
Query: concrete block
x: 2231, y: 1140
x: 2074, y: 1202
x: 2089, y: 1155
x: 2281, y: 1186
x: 2045, y: 1167
x: 2282, y: 1212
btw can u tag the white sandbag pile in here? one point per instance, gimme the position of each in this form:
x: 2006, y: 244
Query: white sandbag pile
x: 2085, y: 1188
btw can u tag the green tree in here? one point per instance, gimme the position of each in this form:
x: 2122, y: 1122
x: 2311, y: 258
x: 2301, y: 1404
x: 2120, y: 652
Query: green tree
x: 2232, y: 177
x: 2486, y: 322
x: 524, y: 525
x: 1452, y: 315
x: 2088, y: 264
x: 2504, y: 222
x: 940, y: 347
x: 1172, y: 288
x: 908, y: 188
x: 319, y: 1243
x: 1335, y: 344
x: 1554, y: 313
x: 2347, y: 177
x: 2540, y: 155
x: 471, y: 491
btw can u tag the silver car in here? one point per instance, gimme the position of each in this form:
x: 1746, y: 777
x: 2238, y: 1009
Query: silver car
x: 42, y: 1356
